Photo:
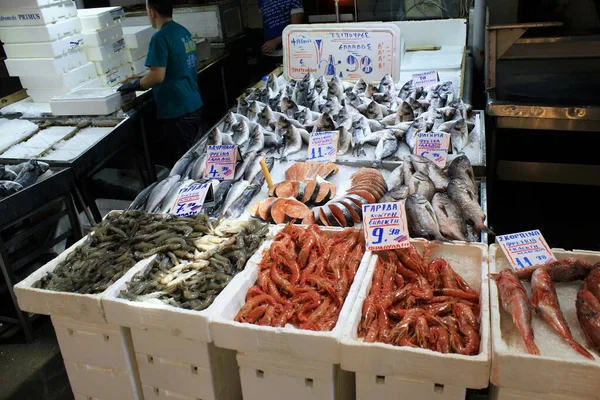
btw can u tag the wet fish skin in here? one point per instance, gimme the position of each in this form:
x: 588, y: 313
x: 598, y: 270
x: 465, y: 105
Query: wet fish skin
x: 421, y: 184
x: 466, y: 199
x: 399, y: 193
x: 386, y: 146
x: 253, y: 168
x: 461, y: 168
x: 160, y: 191
x: 396, y: 177
x: 215, y: 138
x: 241, y: 168
x: 410, y: 136
x: 431, y: 169
x: 321, y: 85
x: 227, y: 139
x: 403, y: 151
x: 588, y: 314
x: 219, y: 197
x: 197, y: 170
x: 142, y: 197
x: 344, y: 142
x: 9, y: 187
x: 324, y: 123
x: 234, y: 193
x: 293, y: 142
x: 7, y: 174
x: 241, y: 133
x: 30, y: 173
x: 422, y: 221
x: 450, y: 218
x: 172, y: 195
x: 182, y: 164
x: 256, y: 140
x: 229, y: 120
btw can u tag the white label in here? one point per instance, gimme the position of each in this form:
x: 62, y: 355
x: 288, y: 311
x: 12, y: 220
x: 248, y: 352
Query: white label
x: 385, y: 226
x: 119, y: 45
x: 525, y: 249
x: 221, y: 161
x: 322, y: 146
x: 425, y: 79
x: 433, y: 146
x: 191, y: 199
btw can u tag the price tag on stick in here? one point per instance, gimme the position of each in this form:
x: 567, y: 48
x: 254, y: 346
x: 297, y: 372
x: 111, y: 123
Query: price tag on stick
x: 385, y: 226
x: 191, y: 199
x: 322, y: 146
x: 525, y: 249
x: 425, y: 79
x: 433, y: 146
x: 221, y: 162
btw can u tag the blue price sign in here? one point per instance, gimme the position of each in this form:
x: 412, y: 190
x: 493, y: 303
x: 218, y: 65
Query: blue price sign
x: 221, y: 162
x: 525, y: 249
x: 322, y: 146
x: 425, y: 79
x: 191, y: 199
x: 385, y: 226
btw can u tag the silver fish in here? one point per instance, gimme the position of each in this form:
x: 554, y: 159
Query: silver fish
x: 410, y: 136
x: 403, y: 151
x: 335, y: 91
x: 396, y: 177
x: 386, y: 146
x: 431, y: 169
x: 241, y: 168
x: 293, y: 142
x: 160, y: 191
x: 344, y: 141
x: 215, y: 138
x: 374, y: 111
x: 321, y: 85
x: 324, y: 123
x: 450, y: 218
x: 461, y: 168
x: 234, y: 193
x: 7, y: 174
x: 227, y: 139
x: 142, y: 197
x: 172, y: 195
x: 219, y: 197
x: 242, y: 107
x: 241, y: 133
x: 421, y: 184
x: 183, y: 163
x: 9, y: 187
x: 305, y: 117
x: 272, y: 139
x: 253, y: 169
x: 387, y: 84
x: 406, y: 90
x: 197, y: 171
x: 272, y: 83
x: 360, y: 129
x: 257, y: 140
x: 422, y: 221
x: 374, y: 138
x: 459, y: 135
x: 332, y: 106
x: 228, y: 121
x: 397, y: 194
x: 354, y: 100
x: 360, y: 86
x: 30, y: 173
x: 253, y: 111
x: 289, y: 107
x: 409, y: 170
x: 465, y: 198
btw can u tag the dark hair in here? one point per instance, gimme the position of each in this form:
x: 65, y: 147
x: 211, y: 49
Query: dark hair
x: 163, y: 7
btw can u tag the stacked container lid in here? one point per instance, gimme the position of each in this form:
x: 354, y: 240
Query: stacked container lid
x: 104, y: 43
x: 137, y: 40
x: 43, y: 42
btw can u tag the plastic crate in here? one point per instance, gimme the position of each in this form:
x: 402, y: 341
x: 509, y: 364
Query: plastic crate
x: 32, y: 16
x: 95, y: 19
x: 46, y: 66
x: 36, y: 34
x: 71, y: 79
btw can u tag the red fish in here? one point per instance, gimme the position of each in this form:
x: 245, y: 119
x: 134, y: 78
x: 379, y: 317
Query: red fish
x: 588, y: 313
x: 545, y: 300
x: 567, y: 270
x: 515, y: 301
x: 592, y: 283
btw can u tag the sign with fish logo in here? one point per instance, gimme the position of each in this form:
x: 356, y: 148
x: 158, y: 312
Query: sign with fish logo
x: 425, y: 79
x: 221, y: 161
x: 322, y: 146
x: 385, y: 226
x: 191, y: 199
x: 525, y: 249
x: 433, y: 146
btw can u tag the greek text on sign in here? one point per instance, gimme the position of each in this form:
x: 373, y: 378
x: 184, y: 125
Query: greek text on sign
x: 525, y: 249
x: 322, y: 146
x: 191, y: 199
x: 385, y: 226
x: 433, y: 146
x: 425, y: 79
x: 350, y: 51
x: 221, y: 162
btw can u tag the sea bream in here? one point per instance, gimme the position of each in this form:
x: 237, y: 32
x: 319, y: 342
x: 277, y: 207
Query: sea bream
x: 215, y: 138
x: 292, y: 140
x: 422, y: 221
x: 257, y: 140
x: 241, y: 133
x: 464, y: 197
x: 386, y: 146
x: 451, y: 221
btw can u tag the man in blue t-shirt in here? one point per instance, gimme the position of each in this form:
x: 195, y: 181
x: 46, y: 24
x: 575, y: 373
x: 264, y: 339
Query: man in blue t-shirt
x: 277, y: 14
x: 172, y: 77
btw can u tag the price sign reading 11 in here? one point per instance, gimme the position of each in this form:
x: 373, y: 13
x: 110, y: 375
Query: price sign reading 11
x: 525, y: 249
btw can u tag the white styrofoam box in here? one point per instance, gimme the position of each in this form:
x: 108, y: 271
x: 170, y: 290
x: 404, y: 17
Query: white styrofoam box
x: 46, y: 95
x: 153, y: 393
x: 44, y: 49
x: 559, y: 369
x: 135, y: 54
x: 103, y: 37
x: 470, y: 260
x: 105, y: 52
x: 138, y: 36
x: 45, y: 33
x: 46, y: 66
x: 28, y: 3
x: 84, y: 397
x: 501, y: 393
x: 105, y: 66
x: 369, y: 386
x: 100, y: 382
x: 37, y: 15
x: 139, y: 67
x: 201, y: 24
x: 297, y: 343
x: 116, y: 76
x: 95, y: 19
x: 71, y: 79
x: 102, y: 101
x: 282, y: 377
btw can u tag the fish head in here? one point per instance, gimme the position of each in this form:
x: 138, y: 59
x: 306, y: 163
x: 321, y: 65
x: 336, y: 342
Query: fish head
x: 358, y: 121
x: 387, y: 80
x: 10, y: 187
x: 283, y: 122
x: 42, y: 166
x: 240, y: 127
x: 326, y: 122
x: 230, y: 118
x: 215, y: 135
x: 361, y: 85
x: 267, y: 113
x: 254, y: 107
x: 308, y: 78
x: 334, y: 89
x: 287, y: 103
x: 416, y: 199
x: 371, y: 90
x: 352, y: 96
x: 373, y: 108
x: 256, y: 131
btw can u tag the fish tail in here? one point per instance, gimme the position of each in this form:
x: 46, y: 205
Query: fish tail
x: 483, y: 228
x: 532, y: 347
x: 579, y: 348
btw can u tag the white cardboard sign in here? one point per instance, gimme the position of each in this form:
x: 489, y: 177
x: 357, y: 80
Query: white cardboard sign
x: 221, y: 162
x: 525, y: 249
x: 350, y: 51
x: 322, y: 146
x: 425, y: 79
x: 433, y: 146
x: 385, y: 226
x: 191, y: 199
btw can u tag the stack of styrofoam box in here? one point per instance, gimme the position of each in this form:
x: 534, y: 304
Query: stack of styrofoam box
x: 174, y: 348
x: 98, y: 355
x: 559, y: 373
x: 287, y: 363
x: 137, y: 40
x: 384, y: 371
x: 104, y: 44
x: 43, y: 43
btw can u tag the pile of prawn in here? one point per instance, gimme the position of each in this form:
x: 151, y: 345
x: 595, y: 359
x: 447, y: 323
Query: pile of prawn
x: 412, y: 303
x: 304, y: 278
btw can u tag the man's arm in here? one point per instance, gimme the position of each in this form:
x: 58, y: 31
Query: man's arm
x: 156, y: 76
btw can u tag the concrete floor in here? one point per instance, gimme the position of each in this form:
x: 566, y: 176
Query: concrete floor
x: 33, y: 370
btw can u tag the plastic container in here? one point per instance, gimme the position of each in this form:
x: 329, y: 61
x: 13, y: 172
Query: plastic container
x: 116, y: 76
x: 37, y: 15
x: 46, y: 66
x: 105, y: 66
x: 87, y: 102
x: 135, y: 54
x: 138, y: 36
x: 36, y: 34
x: 70, y: 79
x: 105, y: 52
x: 139, y: 67
x: 103, y: 37
x: 95, y: 19
x: 44, y: 49
x: 383, y: 370
x: 46, y: 95
x: 559, y: 370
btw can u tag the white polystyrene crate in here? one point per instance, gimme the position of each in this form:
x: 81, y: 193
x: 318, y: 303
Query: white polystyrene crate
x: 101, y: 101
x: 45, y: 33
x: 501, y: 393
x: 277, y: 376
x: 77, y: 396
x: 297, y: 343
x: 105, y: 66
x: 95, y: 19
x: 106, y: 52
x: 139, y: 67
x: 71, y: 79
x: 46, y: 95
x: 100, y: 382
x: 470, y: 260
x: 370, y: 386
x: 154, y: 393
x: 46, y: 66
x: 36, y: 16
x: 138, y: 36
x: 559, y: 369
x: 28, y: 3
x: 116, y: 76
x: 44, y: 49
x: 103, y: 37
x: 135, y: 54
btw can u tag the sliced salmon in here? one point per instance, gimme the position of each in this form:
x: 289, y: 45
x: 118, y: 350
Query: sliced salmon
x: 341, y: 214
x: 263, y: 208
x: 365, y: 194
x: 309, y: 219
x: 382, y: 188
x: 299, y: 187
x: 356, y: 199
x: 322, y: 220
x: 302, y: 171
x: 354, y: 210
x: 331, y: 220
x: 311, y: 190
x: 277, y: 211
x: 285, y: 189
x: 295, y: 210
x: 254, y: 209
x: 369, y: 188
x: 324, y: 194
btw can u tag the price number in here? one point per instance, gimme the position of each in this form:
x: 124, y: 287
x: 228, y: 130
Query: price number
x: 362, y: 63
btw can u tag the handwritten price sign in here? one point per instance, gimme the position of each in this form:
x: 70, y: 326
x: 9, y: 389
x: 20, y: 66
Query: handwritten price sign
x: 433, y: 146
x: 221, y: 162
x: 191, y: 199
x: 525, y: 249
x: 425, y: 79
x: 322, y: 146
x: 385, y: 226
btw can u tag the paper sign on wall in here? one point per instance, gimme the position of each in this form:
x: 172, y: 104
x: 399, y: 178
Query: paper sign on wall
x: 425, y: 79
x: 322, y: 146
x: 525, y: 249
x: 221, y: 162
x: 385, y: 226
x: 191, y: 199
x: 433, y: 146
